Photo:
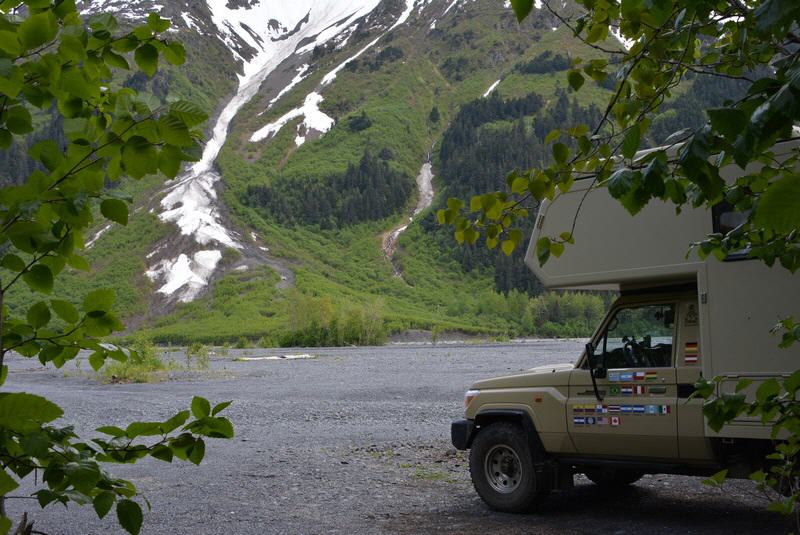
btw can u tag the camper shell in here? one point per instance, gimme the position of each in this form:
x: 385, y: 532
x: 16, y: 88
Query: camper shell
x: 677, y: 318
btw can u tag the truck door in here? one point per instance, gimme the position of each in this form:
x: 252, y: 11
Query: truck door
x: 637, y: 415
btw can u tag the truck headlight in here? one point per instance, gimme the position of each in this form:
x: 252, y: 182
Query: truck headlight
x: 469, y: 395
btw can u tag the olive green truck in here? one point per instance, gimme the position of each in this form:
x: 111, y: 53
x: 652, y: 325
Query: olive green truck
x: 624, y: 409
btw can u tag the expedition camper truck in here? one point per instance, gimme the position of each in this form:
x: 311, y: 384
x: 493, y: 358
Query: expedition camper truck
x: 677, y: 318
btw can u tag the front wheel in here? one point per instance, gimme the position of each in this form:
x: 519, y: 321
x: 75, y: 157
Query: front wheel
x: 501, y: 464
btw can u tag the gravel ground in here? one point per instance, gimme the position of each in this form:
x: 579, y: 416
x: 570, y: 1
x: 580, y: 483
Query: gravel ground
x: 354, y: 441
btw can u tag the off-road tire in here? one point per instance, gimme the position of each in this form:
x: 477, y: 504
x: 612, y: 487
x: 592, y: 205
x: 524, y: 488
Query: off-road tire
x: 505, y: 443
x: 612, y: 477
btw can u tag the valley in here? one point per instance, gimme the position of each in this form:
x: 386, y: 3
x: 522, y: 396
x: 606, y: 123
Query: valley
x: 337, y: 131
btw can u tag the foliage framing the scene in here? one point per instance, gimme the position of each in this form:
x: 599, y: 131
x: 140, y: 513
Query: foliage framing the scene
x: 54, y: 64
x: 669, y: 39
x: 650, y: 47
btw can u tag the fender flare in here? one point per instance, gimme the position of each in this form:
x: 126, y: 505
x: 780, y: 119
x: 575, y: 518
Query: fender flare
x: 519, y: 416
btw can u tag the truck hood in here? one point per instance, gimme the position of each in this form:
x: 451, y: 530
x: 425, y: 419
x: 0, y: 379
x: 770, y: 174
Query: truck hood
x: 550, y: 375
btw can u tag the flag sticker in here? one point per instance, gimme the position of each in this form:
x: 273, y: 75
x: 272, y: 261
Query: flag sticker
x: 639, y: 390
x: 626, y: 390
x: 579, y: 420
x: 614, y: 377
x: 614, y: 390
x: 625, y: 377
x: 614, y: 408
x: 639, y: 376
x: 654, y: 390
x: 651, y: 376
x: 615, y: 421
x: 691, y: 353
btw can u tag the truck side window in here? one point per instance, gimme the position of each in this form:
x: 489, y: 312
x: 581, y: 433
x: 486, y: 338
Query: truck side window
x: 639, y: 337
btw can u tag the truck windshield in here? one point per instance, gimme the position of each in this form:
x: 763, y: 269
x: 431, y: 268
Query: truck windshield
x: 640, y: 336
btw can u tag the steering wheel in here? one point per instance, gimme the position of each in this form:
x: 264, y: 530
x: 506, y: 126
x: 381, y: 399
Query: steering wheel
x: 631, y: 351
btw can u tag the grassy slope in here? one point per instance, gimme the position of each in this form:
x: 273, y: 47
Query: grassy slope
x: 347, y: 265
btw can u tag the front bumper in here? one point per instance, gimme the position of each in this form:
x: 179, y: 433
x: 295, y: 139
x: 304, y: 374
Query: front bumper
x: 461, y: 432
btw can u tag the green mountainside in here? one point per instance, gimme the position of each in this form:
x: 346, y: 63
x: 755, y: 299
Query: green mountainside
x: 314, y: 220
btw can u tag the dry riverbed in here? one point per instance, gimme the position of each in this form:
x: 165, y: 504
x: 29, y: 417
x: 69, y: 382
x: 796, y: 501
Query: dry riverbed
x: 356, y: 441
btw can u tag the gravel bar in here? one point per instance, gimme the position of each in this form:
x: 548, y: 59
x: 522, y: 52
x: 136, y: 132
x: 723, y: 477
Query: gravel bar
x: 354, y: 440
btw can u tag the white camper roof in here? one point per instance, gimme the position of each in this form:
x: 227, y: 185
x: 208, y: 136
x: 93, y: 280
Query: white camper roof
x: 614, y: 248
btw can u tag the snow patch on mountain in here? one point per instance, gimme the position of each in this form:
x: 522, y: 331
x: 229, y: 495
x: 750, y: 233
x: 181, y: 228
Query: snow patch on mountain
x: 492, y: 88
x: 302, y: 72
x: 191, y: 24
x: 274, y: 29
x: 313, y: 117
x: 185, y: 276
x: 121, y: 8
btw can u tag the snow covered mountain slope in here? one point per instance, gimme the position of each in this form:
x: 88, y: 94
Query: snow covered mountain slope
x: 324, y: 115
x: 275, y: 30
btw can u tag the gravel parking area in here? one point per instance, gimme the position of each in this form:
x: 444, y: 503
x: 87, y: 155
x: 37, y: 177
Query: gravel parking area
x: 356, y: 440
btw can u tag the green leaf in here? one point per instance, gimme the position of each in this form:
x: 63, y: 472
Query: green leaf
x: 103, y: 503
x: 729, y: 122
x: 575, y: 79
x: 38, y: 315
x: 111, y: 430
x: 567, y: 237
x: 37, y: 30
x: 188, y: 112
x: 220, y: 407
x: 115, y: 60
x: 197, y: 451
x: 631, y: 142
x: 39, y: 278
x: 777, y: 209
x: 129, y: 515
x: 12, y: 262
x: 26, y: 412
x: 543, y: 250
x: 162, y: 453
x: 48, y: 153
x: 5, y: 524
x: 36, y: 444
x: 508, y: 247
x: 97, y: 359
x: 175, y: 53
x: 522, y: 8
x: 18, y: 120
x: 83, y: 475
x: 767, y: 390
x: 200, y: 407
x: 65, y: 310
x: 115, y: 210
x: 156, y: 23
x: 717, y: 479
x: 139, y: 157
x: 7, y: 483
x: 556, y: 248
x: 143, y: 429
x: 560, y: 152
x: 99, y: 301
x: 146, y: 57
x: 174, y: 131
x: 552, y: 136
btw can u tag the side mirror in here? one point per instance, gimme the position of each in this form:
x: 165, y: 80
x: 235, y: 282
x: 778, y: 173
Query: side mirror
x: 598, y: 369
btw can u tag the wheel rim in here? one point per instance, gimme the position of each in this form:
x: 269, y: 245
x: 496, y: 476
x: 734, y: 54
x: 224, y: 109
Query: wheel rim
x: 503, y: 469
